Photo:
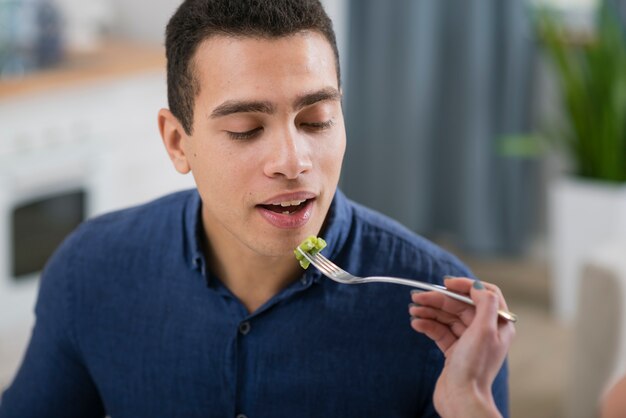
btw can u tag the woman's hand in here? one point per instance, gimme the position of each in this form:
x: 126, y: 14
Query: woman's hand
x: 474, y: 340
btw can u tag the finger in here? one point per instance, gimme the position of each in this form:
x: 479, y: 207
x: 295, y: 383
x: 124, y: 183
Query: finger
x: 487, y: 304
x: 425, y: 311
x: 444, y: 303
x: 461, y: 285
x: 502, y: 302
x: 464, y: 285
x: 429, y: 312
x: 436, y: 331
x: 453, y: 322
x: 507, y: 332
x: 438, y: 300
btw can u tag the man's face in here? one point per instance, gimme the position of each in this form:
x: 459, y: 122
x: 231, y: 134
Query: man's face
x: 268, y: 139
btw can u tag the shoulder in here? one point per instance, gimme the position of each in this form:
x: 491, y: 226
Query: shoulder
x: 104, y: 236
x: 397, y: 250
x: 138, y: 219
x: 145, y: 215
x: 116, y: 247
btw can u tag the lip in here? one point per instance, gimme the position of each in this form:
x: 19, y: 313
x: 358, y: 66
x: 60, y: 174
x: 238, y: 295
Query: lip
x: 294, y: 220
x: 285, y: 197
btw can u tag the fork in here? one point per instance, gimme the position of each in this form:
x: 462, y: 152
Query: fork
x: 336, y: 273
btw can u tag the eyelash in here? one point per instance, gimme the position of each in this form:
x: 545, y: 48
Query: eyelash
x: 320, y: 126
x: 244, y: 135
x: 316, y: 126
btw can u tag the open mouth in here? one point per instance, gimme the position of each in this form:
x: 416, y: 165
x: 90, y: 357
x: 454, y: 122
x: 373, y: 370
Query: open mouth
x: 288, y: 207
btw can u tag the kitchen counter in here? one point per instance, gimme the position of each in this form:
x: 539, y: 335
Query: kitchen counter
x: 113, y: 60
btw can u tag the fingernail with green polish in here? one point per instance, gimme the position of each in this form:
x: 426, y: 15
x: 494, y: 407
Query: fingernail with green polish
x: 414, y: 305
x: 416, y: 291
x: 478, y: 285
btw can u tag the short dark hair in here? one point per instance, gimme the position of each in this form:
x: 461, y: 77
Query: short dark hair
x: 197, y: 20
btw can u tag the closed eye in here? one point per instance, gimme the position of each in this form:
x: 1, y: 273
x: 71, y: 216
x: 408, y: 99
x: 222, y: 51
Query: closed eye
x: 318, y: 126
x: 244, y: 135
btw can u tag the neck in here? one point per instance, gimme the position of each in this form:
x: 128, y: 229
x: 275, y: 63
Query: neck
x: 252, y: 277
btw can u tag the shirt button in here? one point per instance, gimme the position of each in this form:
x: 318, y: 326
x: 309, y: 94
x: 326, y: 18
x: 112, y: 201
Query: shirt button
x: 241, y: 416
x: 244, y: 328
x: 303, y: 280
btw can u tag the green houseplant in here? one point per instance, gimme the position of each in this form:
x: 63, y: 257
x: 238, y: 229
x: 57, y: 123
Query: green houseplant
x: 586, y: 205
x: 591, y: 72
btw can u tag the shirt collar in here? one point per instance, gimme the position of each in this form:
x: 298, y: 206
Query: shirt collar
x: 335, y: 231
x: 193, y: 233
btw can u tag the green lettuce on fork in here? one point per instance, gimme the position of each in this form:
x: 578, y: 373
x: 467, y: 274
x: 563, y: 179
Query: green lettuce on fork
x: 312, y: 245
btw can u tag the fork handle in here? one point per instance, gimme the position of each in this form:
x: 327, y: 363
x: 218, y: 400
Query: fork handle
x: 509, y: 316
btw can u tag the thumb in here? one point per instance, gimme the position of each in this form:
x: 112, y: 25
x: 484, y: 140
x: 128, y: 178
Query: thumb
x: 486, y: 305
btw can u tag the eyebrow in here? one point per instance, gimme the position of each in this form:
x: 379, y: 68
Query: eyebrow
x: 238, y: 106
x: 326, y: 94
x: 258, y: 106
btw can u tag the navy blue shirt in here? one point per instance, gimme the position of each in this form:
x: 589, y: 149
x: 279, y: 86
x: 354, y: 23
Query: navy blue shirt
x: 131, y: 323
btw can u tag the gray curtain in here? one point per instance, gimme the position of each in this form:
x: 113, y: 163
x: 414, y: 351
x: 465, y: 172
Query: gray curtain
x: 431, y: 87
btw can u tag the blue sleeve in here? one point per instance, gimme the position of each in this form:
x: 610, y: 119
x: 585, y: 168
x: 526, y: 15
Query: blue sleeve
x: 52, y: 380
x: 500, y: 390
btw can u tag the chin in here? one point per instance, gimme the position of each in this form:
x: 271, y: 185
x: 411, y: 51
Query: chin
x: 283, y: 243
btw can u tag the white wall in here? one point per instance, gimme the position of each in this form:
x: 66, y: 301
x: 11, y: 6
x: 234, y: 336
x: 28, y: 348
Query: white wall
x: 143, y: 20
x: 338, y: 12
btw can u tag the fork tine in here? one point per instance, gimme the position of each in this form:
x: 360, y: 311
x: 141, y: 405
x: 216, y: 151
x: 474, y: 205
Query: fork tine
x: 313, y: 260
x: 329, y: 264
x: 322, y: 263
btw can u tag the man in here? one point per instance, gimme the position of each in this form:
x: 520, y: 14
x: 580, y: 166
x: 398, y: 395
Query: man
x: 194, y: 305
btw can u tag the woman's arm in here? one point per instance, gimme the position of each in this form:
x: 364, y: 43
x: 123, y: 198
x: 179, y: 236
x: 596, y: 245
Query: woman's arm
x: 474, y: 340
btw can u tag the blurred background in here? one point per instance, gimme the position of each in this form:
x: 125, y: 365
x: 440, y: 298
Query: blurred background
x: 495, y: 128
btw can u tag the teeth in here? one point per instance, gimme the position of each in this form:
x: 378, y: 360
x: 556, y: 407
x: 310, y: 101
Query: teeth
x: 289, y: 203
x: 286, y: 212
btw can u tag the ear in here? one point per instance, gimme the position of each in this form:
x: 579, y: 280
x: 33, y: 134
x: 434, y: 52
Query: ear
x: 173, y: 135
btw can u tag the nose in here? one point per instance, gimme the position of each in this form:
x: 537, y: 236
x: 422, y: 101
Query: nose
x: 289, y: 156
